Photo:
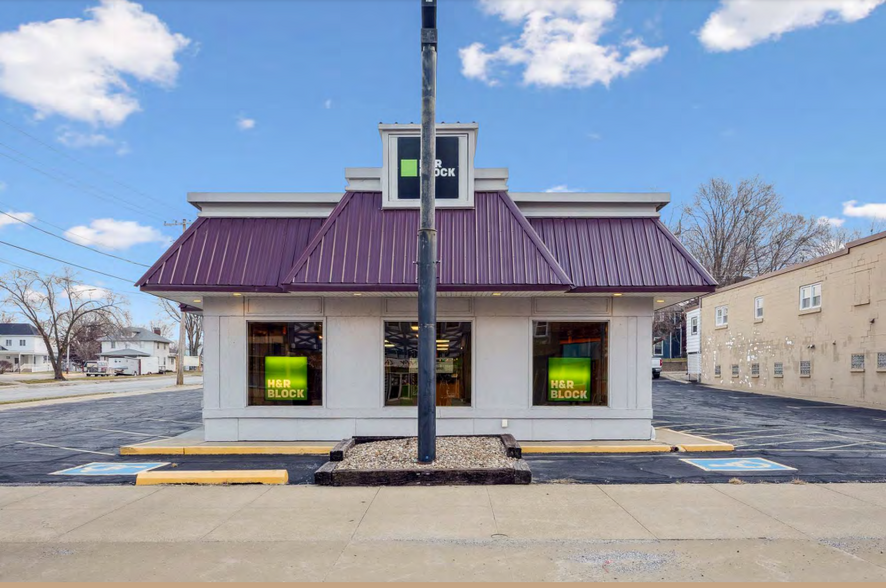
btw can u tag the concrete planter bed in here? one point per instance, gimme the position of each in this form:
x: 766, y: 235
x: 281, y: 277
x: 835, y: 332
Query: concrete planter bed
x: 389, y: 461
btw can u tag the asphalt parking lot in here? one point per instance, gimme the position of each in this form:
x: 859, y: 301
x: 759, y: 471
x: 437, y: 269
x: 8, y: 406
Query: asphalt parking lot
x: 823, y: 442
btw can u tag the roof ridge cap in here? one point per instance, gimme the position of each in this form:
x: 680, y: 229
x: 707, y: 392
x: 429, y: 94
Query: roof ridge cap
x: 321, y: 233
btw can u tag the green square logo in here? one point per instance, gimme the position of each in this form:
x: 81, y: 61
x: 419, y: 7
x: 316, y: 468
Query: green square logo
x: 286, y: 378
x: 569, y: 379
x: 408, y: 168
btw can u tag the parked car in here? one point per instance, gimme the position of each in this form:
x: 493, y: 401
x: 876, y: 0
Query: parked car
x: 656, y: 368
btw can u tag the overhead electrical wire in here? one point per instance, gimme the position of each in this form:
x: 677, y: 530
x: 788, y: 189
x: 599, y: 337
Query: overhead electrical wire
x: 74, y: 242
x: 73, y: 182
x: 84, y: 164
x: 31, y: 269
x: 83, y: 267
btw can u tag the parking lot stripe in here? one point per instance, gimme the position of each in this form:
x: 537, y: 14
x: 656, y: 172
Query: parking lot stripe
x: 133, y: 433
x: 65, y: 448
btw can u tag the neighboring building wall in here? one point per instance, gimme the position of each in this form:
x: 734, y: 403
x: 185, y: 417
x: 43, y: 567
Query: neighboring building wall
x: 693, y: 343
x: 32, y: 356
x: 850, y: 321
x: 354, y: 372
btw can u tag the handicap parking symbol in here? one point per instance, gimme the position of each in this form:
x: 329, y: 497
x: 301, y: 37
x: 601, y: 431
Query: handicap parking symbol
x: 731, y: 464
x: 110, y: 469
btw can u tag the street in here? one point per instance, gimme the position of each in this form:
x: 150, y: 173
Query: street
x: 13, y: 391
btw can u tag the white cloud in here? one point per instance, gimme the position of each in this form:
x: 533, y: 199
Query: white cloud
x: 27, y: 217
x: 739, y: 24
x: 875, y: 211
x: 832, y: 221
x: 245, y: 124
x: 115, y: 234
x: 595, y: 136
x: 3, y: 186
x: 559, y: 45
x: 77, y: 67
x: 78, y: 140
x: 327, y: 104
x: 83, y: 292
x: 560, y: 188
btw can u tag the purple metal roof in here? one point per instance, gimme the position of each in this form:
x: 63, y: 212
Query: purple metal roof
x: 622, y: 255
x: 488, y: 247
x: 232, y: 254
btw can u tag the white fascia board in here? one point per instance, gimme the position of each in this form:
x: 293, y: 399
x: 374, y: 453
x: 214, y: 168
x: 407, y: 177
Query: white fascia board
x: 264, y: 204
x: 590, y: 204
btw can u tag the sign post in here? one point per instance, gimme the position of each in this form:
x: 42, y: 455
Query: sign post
x: 427, y: 241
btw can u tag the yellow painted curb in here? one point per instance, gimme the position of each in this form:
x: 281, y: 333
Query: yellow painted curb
x: 257, y: 450
x: 596, y: 449
x: 149, y: 450
x: 706, y: 447
x: 212, y: 477
x: 225, y: 450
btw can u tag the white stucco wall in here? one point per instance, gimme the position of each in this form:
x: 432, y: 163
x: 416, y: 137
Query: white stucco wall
x: 353, y: 369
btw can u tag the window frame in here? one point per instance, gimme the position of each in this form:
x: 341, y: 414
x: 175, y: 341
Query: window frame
x: 399, y: 318
x: 811, y: 288
x: 755, y: 370
x: 778, y: 369
x: 800, y: 370
x: 660, y: 346
x: 735, y: 370
x: 758, y: 308
x: 881, y: 361
x: 530, y: 328
x: 284, y: 319
x: 724, y: 315
x: 718, y: 371
x: 693, y: 325
x: 852, y: 366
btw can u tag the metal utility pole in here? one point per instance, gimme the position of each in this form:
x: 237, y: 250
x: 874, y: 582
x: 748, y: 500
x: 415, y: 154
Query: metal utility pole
x: 427, y: 242
x: 180, y: 360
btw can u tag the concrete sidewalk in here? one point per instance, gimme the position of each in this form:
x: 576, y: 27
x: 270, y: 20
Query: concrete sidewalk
x: 505, y: 533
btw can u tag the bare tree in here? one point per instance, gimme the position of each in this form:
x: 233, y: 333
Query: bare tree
x: 837, y: 236
x: 86, y: 339
x: 57, y: 305
x: 193, y: 326
x: 741, y: 231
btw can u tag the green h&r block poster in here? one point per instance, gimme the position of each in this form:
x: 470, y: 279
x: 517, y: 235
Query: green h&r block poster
x: 286, y: 378
x: 569, y: 379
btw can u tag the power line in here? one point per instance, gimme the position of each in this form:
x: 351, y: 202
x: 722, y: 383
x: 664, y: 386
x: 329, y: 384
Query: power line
x: 80, y: 162
x: 31, y: 269
x: 49, y: 224
x: 83, y: 267
x: 73, y: 242
x: 74, y: 182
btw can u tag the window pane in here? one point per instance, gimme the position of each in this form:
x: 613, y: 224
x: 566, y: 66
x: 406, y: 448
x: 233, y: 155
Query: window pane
x: 570, y: 364
x: 286, y: 364
x: 453, y: 364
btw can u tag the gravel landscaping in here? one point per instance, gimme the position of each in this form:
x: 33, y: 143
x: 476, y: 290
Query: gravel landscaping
x: 453, y: 453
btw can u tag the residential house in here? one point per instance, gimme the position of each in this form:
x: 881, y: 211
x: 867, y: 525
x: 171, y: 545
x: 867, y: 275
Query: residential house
x: 23, y: 348
x: 815, y: 330
x: 136, y: 343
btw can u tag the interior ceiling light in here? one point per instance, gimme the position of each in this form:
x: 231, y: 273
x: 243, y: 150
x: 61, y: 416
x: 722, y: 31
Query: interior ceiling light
x: 617, y: 294
x: 413, y: 327
x: 196, y: 300
x: 358, y: 294
x: 660, y: 301
x: 237, y: 294
x: 496, y: 293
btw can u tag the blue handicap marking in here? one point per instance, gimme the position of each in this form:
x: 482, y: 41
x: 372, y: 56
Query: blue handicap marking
x: 733, y: 464
x: 110, y: 469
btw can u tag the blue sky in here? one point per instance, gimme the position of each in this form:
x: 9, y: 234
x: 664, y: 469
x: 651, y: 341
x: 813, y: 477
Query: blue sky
x: 154, y: 100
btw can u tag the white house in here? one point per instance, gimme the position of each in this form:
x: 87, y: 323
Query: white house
x: 137, y: 343
x: 23, y: 347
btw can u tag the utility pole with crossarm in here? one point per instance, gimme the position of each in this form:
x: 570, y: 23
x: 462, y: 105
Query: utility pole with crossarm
x: 180, y: 360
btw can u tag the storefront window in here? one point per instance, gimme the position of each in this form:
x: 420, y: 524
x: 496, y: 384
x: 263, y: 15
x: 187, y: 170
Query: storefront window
x: 453, y: 364
x: 570, y: 363
x: 286, y: 364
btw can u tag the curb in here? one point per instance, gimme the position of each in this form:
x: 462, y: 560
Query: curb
x: 154, y: 478
x: 226, y: 450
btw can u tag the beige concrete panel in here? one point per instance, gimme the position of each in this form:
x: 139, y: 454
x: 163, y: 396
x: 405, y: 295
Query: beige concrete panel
x: 567, y: 512
x: 149, y: 524
x: 441, y: 512
x: 690, y: 511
